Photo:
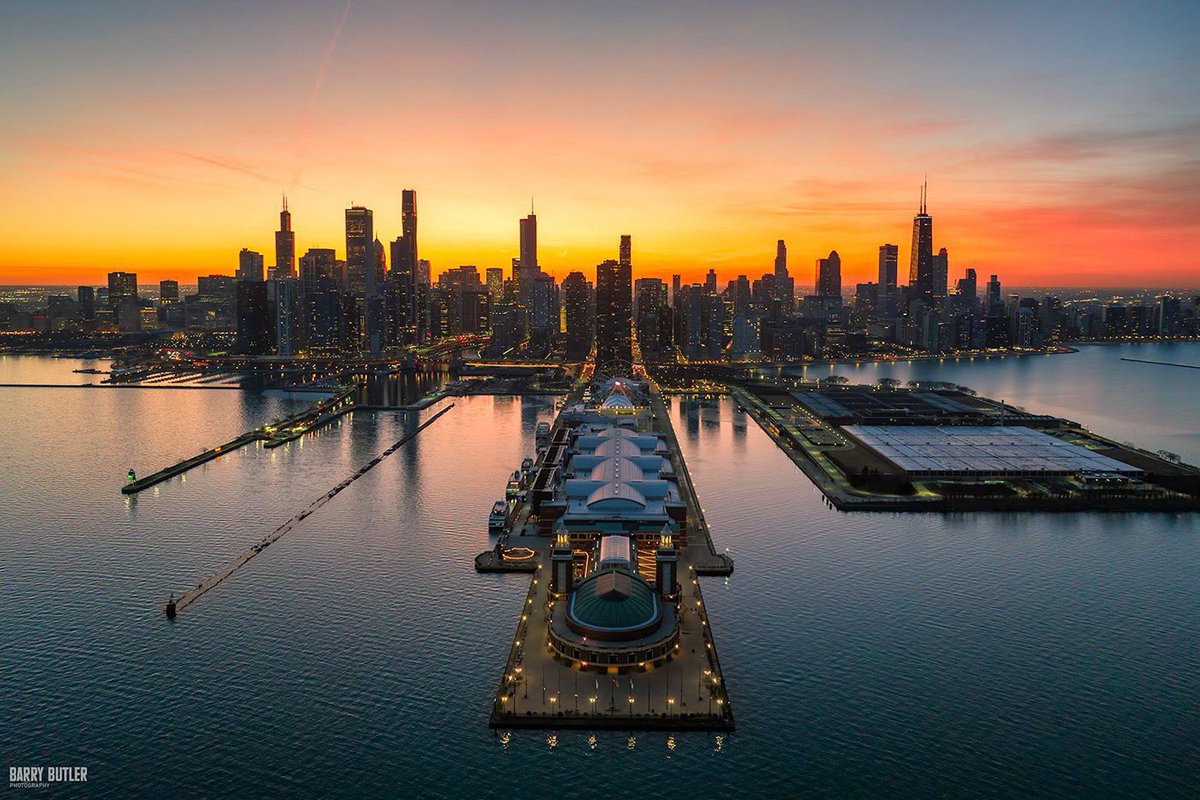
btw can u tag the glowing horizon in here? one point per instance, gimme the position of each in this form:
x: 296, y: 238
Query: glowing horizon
x: 1061, y: 149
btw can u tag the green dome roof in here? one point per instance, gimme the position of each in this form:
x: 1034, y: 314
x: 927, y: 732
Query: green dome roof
x: 614, y: 602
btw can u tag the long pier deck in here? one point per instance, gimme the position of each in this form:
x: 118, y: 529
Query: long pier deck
x: 275, y: 435
x: 685, y: 693
x: 176, y: 604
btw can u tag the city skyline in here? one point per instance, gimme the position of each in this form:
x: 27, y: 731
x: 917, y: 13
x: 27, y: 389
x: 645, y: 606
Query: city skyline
x: 1052, y: 160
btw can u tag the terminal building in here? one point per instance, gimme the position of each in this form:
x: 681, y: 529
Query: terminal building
x: 985, y: 451
x: 609, y: 497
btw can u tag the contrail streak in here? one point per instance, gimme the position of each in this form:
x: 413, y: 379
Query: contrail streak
x: 327, y: 56
x: 322, y: 68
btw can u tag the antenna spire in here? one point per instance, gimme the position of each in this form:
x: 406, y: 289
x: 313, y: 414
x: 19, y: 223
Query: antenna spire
x: 531, y: 205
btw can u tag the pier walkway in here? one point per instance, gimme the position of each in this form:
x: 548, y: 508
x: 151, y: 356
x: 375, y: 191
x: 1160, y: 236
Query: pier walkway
x: 274, y: 435
x: 687, y: 692
x: 177, y: 604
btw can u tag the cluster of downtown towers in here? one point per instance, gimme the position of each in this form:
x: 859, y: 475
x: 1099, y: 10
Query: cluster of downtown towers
x: 377, y: 303
x: 370, y: 303
x: 363, y: 304
x: 373, y: 304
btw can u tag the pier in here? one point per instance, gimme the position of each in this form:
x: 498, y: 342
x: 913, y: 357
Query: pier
x: 176, y: 604
x: 853, y: 476
x: 274, y: 435
x: 540, y: 688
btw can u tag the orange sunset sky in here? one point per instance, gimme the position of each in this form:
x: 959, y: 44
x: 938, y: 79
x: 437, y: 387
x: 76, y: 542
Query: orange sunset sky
x: 1062, y: 143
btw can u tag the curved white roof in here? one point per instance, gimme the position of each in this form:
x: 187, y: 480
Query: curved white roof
x: 616, y: 496
x: 617, y: 469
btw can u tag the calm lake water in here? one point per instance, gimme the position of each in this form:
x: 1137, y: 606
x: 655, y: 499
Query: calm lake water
x: 866, y: 655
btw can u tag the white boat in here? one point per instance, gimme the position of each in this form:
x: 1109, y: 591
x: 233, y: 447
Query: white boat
x: 498, y: 517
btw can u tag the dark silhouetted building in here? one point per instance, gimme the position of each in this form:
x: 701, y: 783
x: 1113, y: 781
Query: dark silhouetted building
x: 122, y: 286
x: 614, y: 310
x: 829, y: 276
x: 921, y: 279
x: 285, y: 245
x: 360, y: 249
x: 577, y: 298
x: 528, y: 260
x: 87, y: 302
x: 888, y: 301
x: 652, y: 318
x: 255, y: 323
x: 250, y: 266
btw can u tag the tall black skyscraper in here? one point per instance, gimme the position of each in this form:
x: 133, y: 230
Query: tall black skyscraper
x: 255, y: 328
x: 652, y: 318
x: 994, y: 304
x: 940, y: 277
x: 410, y: 299
x: 781, y: 259
x: 614, y: 312
x: 920, y: 269
x: 285, y: 245
x: 360, y: 250
x: 87, y: 302
x: 577, y: 298
x: 889, y: 257
x: 829, y: 275
x: 529, y: 263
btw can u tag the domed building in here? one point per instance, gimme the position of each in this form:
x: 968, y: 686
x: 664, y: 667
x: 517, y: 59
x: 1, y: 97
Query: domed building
x: 614, y: 619
x: 614, y: 507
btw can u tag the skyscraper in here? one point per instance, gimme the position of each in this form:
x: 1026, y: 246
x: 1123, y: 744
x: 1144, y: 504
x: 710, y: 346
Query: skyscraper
x: 829, y: 275
x: 255, y: 328
x: 285, y: 245
x: 994, y: 304
x: 411, y: 296
x: 122, y: 286
x: 288, y: 315
x: 87, y: 302
x: 250, y: 265
x: 360, y: 250
x: 614, y: 311
x: 920, y: 269
x: 889, y: 258
x: 529, y: 263
x: 780, y: 259
x: 940, y: 277
x: 652, y: 317
x: 578, y: 301
x: 168, y: 291
x: 495, y: 282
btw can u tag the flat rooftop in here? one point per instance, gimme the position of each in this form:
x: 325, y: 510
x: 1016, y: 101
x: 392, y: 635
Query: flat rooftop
x: 981, y: 450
